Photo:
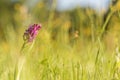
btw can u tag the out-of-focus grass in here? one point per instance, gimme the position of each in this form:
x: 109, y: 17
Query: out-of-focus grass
x: 56, y: 59
x: 67, y: 47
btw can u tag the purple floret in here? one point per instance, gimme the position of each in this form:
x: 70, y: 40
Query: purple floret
x: 31, y: 32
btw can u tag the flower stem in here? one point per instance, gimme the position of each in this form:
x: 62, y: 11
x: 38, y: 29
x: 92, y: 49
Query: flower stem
x: 19, y: 64
x: 23, y: 46
x: 21, y: 61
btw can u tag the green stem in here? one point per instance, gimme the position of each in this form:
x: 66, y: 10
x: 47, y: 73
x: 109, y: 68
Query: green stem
x: 96, y: 60
x: 51, y: 15
x: 19, y: 64
x: 106, y: 22
x: 23, y: 46
x: 21, y: 61
x: 19, y: 68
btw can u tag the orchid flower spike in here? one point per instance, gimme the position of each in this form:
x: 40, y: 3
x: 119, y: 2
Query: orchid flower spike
x: 31, y: 32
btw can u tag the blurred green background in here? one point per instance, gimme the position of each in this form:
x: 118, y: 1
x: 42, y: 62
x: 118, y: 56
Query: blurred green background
x: 67, y: 39
x: 69, y: 26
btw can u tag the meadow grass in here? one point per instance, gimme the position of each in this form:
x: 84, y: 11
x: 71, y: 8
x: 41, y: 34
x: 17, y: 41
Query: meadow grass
x: 55, y: 55
x: 57, y: 60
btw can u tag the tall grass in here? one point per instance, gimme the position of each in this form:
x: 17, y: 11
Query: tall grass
x: 50, y: 60
x: 52, y: 57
